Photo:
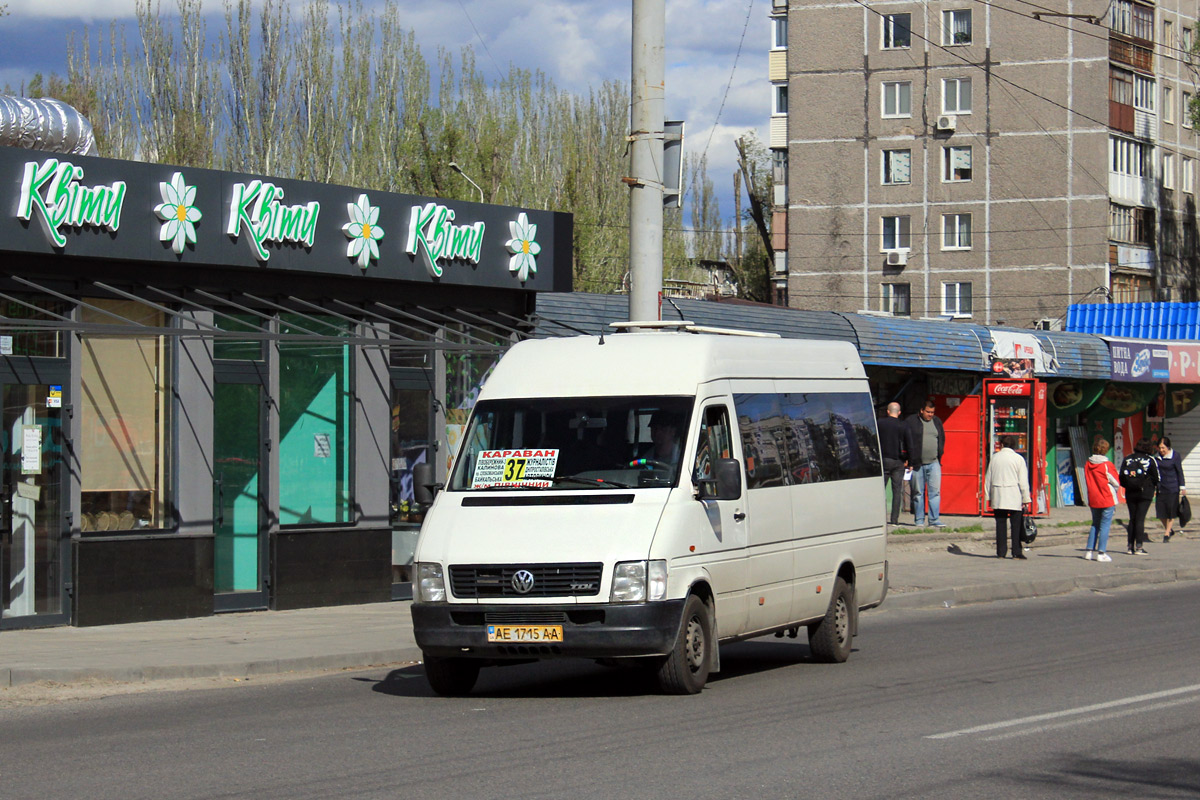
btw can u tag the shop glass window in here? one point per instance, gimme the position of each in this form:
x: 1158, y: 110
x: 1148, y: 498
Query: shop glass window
x: 956, y: 96
x: 956, y: 163
x: 897, y: 167
x: 315, y: 422
x: 34, y: 342
x: 232, y: 348
x: 897, y: 31
x: 956, y: 231
x: 125, y: 421
x: 956, y: 26
x: 897, y: 99
x: 896, y: 233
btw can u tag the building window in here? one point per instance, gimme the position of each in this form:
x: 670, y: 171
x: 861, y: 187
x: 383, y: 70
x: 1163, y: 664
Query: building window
x: 1168, y: 104
x: 1185, y: 43
x: 897, y: 31
x: 779, y: 33
x: 897, y: 99
x: 1185, y: 115
x: 1168, y: 36
x: 316, y: 409
x: 1168, y: 171
x: 956, y: 163
x: 897, y: 167
x: 956, y: 231
x: 125, y: 418
x: 1143, y: 93
x: 1130, y: 225
x: 1129, y: 157
x: 1187, y: 174
x: 781, y: 99
x: 896, y: 233
x: 894, y: 299
x: 956, y: 26
x: 956, y: 299
x: 1133, y: 20
x: 956, y: 95
x: 1132, y: 288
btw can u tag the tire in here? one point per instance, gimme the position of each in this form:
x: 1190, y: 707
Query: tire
x: 685, y: 670
x: 451, y: 677
x: 831, y: 639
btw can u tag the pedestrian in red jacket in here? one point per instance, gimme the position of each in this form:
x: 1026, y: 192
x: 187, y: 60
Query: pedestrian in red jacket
x: 1102, y: 485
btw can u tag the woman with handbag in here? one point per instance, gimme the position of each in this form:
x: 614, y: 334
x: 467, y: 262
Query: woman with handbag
x: 1006, y: 488
x: 1170, y: 486
x: 1102, y: 485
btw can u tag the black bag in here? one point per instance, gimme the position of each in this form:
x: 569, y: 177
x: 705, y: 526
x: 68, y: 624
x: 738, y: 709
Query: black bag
x: 1185, y: 511
x: 1030, y: 532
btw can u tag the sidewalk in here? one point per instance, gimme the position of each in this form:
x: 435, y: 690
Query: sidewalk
x: 946, y: 567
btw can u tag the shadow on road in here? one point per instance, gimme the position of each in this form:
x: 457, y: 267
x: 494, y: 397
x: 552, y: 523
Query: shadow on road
x: 582, y: 678
x: 1160, y: 777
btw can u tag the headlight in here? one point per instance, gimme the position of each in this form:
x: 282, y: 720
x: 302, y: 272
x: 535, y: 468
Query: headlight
x: 430, y: 586
x: 638, y: 581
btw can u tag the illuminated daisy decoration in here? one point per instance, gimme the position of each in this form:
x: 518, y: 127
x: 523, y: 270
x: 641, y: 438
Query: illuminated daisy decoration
x: 363, y: 231
x: 179, y: 213
x: 523, y: 247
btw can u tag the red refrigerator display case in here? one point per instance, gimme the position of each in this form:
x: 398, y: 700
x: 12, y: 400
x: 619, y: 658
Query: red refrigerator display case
x: 1018, y: 408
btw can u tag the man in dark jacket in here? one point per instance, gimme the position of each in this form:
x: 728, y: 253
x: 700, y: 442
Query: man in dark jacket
x: 893, y: 447
x: 927, y: 442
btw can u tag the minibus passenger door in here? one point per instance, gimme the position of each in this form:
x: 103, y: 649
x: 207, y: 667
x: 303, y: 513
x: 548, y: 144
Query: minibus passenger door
x: 725, y: 514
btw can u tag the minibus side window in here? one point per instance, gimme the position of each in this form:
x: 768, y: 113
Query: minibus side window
x: 714, y: 442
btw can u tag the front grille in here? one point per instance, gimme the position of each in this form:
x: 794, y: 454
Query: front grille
x: 520, y: 617
x: 549, y: 580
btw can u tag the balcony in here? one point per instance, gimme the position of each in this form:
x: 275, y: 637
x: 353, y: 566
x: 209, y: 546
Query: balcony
x: 1125, y: 50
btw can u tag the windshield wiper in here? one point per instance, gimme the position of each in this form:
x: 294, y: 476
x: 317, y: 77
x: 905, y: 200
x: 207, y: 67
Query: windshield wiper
x: 591, y: 482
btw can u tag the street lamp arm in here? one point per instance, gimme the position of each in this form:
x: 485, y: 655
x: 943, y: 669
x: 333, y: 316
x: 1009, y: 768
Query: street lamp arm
x: 458, y: 169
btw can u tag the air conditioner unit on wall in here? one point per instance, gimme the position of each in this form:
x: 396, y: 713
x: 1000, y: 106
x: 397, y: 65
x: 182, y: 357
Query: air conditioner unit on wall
x: 897, y: 258
x: 946, y: 122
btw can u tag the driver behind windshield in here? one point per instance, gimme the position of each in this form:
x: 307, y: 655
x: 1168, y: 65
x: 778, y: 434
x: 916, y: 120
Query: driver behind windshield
x: 664, y: 438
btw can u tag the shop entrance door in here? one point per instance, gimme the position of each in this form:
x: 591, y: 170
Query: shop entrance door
x: 35, y: 533
x: 240, y: 574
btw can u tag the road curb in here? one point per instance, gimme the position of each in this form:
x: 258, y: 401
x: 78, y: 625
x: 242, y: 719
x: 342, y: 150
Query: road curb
x: 18, y: 676
x: 1017, y: 590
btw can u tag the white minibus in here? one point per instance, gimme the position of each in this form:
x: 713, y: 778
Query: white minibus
x: 649, y: 495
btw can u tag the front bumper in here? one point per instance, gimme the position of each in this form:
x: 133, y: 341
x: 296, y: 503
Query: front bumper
x: 612, y: 630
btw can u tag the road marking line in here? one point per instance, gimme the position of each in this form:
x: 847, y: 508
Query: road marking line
x: 1141, y: 698
x: 1094, y: 718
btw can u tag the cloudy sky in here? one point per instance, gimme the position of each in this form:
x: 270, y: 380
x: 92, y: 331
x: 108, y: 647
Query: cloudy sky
x: 577, y: 42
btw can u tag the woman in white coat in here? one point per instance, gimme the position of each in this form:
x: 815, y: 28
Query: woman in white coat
x: 1006, y: 488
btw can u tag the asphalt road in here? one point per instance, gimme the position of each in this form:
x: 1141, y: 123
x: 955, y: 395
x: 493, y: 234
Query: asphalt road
x: 1087, y: 695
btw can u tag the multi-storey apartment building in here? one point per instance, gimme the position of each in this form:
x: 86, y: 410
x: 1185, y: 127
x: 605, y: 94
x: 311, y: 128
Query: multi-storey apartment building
x: 993, y: 161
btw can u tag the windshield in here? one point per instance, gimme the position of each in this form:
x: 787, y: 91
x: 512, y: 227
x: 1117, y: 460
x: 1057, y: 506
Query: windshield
x: 573, y: 443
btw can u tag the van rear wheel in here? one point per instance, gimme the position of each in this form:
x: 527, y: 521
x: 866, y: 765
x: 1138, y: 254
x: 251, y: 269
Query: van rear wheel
x: 685, y: 670
x: 831, y: 639
x: 451, y: 677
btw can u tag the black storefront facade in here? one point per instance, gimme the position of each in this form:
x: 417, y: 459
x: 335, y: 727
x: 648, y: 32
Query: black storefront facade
x: 215, y: 385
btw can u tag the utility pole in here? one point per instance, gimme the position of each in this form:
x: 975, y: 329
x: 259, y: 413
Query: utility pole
x: 646, y: 159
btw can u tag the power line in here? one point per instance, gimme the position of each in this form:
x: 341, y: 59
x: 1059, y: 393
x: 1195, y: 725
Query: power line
x: 725, y: 96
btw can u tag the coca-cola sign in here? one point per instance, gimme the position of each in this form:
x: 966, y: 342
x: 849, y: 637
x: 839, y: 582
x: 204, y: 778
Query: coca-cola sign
x: 1010, y: 389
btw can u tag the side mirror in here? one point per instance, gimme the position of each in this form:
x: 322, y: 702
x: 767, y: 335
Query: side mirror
x: 727, y: 485
x: 424, y: 486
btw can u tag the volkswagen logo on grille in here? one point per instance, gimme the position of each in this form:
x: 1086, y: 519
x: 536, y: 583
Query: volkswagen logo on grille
x: 522, y: 581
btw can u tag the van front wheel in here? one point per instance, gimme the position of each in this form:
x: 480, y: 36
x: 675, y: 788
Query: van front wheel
x: 451, y: 677
x: 831, y: 638
x: 685, y: 670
